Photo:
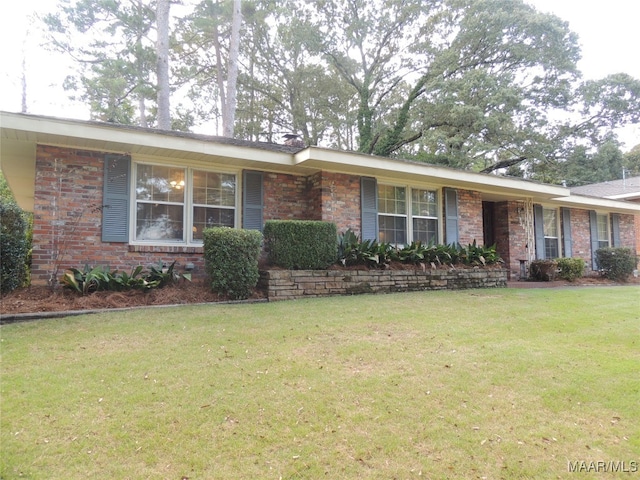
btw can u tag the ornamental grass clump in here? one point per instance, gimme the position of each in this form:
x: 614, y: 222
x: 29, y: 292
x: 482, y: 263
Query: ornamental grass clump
x: 231, y: 260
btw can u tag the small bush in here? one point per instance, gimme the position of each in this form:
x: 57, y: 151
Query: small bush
x: 570, y: 268
x: 301, y: 244
x: 231, y: 260
x: 13, y: 246
x: 616, y: 263
x: 543, y: 270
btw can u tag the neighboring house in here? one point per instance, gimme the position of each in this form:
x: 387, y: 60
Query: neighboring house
x: 627, y: 189
x: 123, y: 196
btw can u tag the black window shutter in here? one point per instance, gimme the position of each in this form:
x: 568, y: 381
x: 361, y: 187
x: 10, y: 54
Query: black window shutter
x: 115, y: 200
x: 593, y: 224
x: 451, y: 216
x: 253, y: 201
x: 369, y: 208
x: 566, y: 232
x: 538, y: 219
x: 615, y: 229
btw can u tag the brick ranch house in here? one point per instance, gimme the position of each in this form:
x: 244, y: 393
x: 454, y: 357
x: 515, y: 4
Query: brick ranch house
x: 123, y: 196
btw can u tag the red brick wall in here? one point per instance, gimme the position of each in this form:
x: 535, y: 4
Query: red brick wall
x: 511, y: 236
x: 340, y: 201
x: 286, y: 197
x: 581, y: 235
x: 470, y: 217
x: 628, y: 235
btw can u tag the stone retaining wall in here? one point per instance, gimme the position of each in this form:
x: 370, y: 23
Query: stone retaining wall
x: 291, y: 284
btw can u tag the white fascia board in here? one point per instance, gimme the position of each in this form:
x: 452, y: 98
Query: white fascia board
x: 80, y: 133
x: 625, y: 196
x: 363, y: 164
x: 597, y: 203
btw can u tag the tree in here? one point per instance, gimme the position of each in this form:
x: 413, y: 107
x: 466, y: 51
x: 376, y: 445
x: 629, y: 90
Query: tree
x: 632, y: 161
x: 110, y: 42
x: 583, y: 166
x: 210, y: 39
x: 285, y: 88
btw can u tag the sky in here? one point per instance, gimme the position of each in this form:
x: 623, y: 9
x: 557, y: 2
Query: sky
x: 608, y: 32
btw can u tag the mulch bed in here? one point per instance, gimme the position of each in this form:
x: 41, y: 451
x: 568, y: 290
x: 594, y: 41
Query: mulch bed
x: 43, y: 299
x: 36, y: 299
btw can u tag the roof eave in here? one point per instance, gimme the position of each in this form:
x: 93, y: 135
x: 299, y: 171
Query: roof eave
x: 362, y: 164
x: 593, y: 203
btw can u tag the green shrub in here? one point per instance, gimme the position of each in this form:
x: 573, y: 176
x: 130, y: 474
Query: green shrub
x: 616, y: 263
x: 570, y: 268
x: 95, y: 279
x: 231, y: 260
x: 543, y: 270
x: 13, y: 246
x: 352, y: 251
x: 301, y: 244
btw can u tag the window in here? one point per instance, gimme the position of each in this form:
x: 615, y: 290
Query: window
x: 424, y: 210
x: 214, y: 200
x: 392, y: 214
x: 551, y: 237
x: 160, y: 203
x: 603, y: 230
x: 172, y: 201
x: 396, y: 226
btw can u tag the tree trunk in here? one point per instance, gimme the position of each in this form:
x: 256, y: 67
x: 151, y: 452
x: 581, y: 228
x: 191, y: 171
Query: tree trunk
x: 229, y: 113
x: 162, y: 53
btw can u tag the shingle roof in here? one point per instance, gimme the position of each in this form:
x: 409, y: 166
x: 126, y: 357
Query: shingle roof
x: 612, y: 188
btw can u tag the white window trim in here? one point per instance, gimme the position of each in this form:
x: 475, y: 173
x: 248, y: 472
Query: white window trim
x: 188, y: 204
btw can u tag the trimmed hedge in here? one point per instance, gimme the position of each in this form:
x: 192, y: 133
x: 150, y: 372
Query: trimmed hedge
x: 570, y: 268
x: 14, y: 247
x: 231, y: 260
x: 301, y: 244
x: 616, y: 263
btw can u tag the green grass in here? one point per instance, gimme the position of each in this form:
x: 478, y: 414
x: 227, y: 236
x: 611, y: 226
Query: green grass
x: 474, y: 384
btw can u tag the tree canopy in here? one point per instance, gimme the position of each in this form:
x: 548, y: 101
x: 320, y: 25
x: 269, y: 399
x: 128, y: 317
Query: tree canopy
x: 486, y: 85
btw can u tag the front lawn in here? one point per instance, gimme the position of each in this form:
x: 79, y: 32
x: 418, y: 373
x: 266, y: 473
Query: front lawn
x: 503, y: 383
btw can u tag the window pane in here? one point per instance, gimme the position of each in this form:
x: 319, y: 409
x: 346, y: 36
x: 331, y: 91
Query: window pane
x: 159, y: 222
x: 211, y: 188
x: 423, y: 203
x: 603, y: 231
x: 550, y: 223
x: 551, y: 248
x: 392, y: 230
x: 392, y: 199
x: 160, y: 184
x: 205, y: 217
x: 425, y: 230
